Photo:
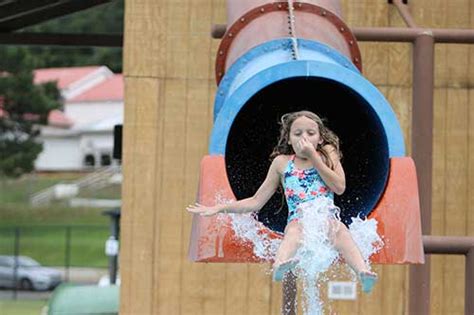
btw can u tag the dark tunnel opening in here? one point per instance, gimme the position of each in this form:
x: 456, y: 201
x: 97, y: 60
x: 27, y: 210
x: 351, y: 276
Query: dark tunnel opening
x: 255, y: 132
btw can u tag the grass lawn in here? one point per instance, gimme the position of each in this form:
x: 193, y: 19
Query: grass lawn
x: 22, y: 307
x: 43, y: 229
x: 47, y: 244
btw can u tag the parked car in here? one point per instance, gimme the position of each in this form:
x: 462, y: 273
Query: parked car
x: 30, y: 274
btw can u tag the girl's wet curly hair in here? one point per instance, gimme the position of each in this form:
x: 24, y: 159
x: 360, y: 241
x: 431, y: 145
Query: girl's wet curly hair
x: 328, y: 137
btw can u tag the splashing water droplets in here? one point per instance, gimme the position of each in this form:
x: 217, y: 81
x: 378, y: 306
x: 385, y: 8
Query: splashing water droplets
x: 320, y: 222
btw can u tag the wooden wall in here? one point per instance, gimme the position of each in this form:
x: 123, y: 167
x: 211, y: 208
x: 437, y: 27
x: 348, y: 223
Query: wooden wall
x: 169, y: 65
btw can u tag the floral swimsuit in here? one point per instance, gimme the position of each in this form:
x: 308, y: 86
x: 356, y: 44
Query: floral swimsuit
x: 302, y: 185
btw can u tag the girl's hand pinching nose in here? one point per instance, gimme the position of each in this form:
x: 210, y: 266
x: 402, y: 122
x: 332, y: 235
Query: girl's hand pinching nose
x: 305, y: 148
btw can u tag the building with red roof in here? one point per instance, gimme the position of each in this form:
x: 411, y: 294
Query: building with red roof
x: 80, y: 136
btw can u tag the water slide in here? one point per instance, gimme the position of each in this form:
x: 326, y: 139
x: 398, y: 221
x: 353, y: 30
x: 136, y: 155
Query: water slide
x: 275, y: 59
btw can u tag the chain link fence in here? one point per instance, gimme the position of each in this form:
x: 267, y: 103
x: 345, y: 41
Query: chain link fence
x: 62, y: 247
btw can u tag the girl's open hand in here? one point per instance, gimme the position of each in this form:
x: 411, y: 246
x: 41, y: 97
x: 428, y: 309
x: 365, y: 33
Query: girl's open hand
x: 203, y: 210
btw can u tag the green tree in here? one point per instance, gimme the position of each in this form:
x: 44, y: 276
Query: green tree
x: 23, y: 106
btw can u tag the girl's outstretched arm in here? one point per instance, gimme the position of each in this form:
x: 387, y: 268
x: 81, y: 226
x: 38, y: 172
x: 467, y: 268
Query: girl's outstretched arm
x: 254, y: 203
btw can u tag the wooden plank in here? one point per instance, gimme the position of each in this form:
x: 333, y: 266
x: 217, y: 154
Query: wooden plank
x: 198, y: 67
x: 259, y: 289
x: 236, y: 289
x: 219, y: 11
x: 126, y: 220
x: 169, y: 243
x: 170, y: 200
x: 143, y: 94
x: 214, y: 294
x: 458, y: 71
x: 375, y: 55
x: 470, y: 209
x: 399, y: 68
x: 429, y: 13
x: 439, y: 197
x: 394, y: 284
x: 458, y: 16
x: 144, y: 39
x: 177, y: 50
x: 400, y: 98
x: 199, y: 57
x: 456, y: 193
x: 400, y: 64
x: 177, y: 39
x: 374, y: 60
x: 470, y: 202
x: 354, y: 12
x: 441, y: 79
x: 276, y: 298
x: 192, y: 280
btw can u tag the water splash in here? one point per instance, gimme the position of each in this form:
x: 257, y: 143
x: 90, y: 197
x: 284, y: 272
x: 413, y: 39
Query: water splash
x: 316, y: 254
x: 320, y: 223
x: 247, y: 228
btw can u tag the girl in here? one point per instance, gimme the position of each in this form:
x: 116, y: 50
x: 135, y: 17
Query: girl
x: 307, y: 163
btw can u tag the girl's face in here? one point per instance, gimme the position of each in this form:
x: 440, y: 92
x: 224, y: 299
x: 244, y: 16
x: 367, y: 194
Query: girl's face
x: 304, y: 127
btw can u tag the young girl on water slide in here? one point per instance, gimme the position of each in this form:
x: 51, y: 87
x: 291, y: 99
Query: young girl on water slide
x: 307, y: 163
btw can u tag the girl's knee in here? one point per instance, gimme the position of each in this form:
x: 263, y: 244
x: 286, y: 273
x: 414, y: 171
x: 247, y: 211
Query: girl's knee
x: 294, y: 229
x: 337, y: 230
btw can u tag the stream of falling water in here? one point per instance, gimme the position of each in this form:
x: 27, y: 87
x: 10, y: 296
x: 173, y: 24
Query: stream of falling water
x: 316, y: 253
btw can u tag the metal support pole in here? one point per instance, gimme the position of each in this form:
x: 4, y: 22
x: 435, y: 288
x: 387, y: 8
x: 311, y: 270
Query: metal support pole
x: 404, y: 13
x: 113, y: 260
x: 67, y: 254
x: 391, y: 34
x: 289, y: 292
x: 455, y: 245
x: 16, y: 263
x: 112, y: 243
x: 422, y: 150
x: 422, y: 122
x: 408, y: 35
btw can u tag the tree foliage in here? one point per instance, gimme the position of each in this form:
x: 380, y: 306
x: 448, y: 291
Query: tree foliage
x: 23, y: 105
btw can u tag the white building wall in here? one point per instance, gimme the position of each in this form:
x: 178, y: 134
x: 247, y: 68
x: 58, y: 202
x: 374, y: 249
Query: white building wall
x: 89, y: 112
x: 97, y: 143
x: 59, y: 154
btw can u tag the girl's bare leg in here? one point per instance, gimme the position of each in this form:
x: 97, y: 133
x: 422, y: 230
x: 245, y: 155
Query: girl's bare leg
x: 287, y: 250
x: 345, y: 244
x: 290, y: 243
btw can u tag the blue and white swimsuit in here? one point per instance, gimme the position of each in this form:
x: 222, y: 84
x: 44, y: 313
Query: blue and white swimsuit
x: 302, y: 185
